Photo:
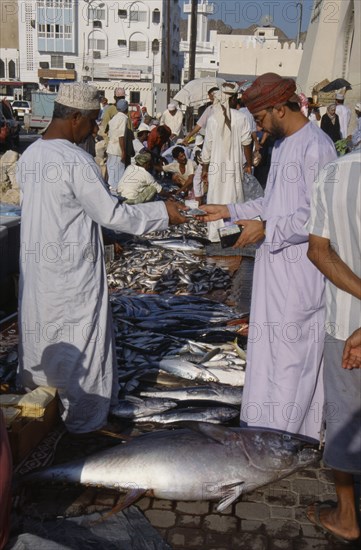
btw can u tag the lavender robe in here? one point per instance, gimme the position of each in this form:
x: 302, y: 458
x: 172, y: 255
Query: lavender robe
x: 283, y: 387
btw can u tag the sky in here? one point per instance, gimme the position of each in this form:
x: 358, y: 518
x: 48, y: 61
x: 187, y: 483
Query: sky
x: 243, y: 13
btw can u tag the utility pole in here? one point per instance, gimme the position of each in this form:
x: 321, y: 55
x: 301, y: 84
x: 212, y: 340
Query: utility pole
x: 168, y: 52
x: 192, y: 59
x: 300, y: 5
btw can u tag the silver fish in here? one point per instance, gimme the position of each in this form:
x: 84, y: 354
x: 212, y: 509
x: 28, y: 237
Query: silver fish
x: 178, y: 244
x: 214, y: 392
x: 187, y: 370
x: 208, y: 463
x: 215, y: 415
x: 134, y: 407
x: 229, y: 375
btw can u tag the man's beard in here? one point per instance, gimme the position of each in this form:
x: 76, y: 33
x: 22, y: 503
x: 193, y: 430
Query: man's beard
x: 277, y: 131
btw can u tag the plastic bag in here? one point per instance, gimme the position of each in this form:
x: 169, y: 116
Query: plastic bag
x: 251, y: 188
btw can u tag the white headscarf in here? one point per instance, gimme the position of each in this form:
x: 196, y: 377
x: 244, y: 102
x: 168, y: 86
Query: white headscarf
x: 222, y: 112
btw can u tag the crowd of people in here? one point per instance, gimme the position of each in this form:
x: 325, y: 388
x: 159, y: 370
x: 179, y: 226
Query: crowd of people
x: 304, y: 343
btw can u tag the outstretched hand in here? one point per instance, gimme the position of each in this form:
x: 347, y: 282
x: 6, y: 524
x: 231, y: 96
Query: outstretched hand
x: 351, y: 358
x: 214, y: 212
x: 175, y: 209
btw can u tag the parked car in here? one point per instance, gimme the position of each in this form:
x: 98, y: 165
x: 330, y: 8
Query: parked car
x: 21, y: 108
x: 9, y: 127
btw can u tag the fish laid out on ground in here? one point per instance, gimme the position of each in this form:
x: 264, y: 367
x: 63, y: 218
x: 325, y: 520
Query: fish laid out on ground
x: 212, y: 392
x: 214, y: 415
x: 187, y: 370
x: 133, y: 407
x: 169, y: 267
x: 173, y: 243
x: 205, y: 463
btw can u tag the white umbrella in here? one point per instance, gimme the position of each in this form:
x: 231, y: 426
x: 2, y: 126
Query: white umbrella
x: 195, y: 92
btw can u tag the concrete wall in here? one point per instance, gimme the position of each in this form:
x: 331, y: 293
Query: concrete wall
x: 9, y: 34
x: 239, y: 57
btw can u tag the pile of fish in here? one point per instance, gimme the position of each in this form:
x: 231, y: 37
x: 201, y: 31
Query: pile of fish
x: 168, y: 370
x: 166, y: 267
x: 203, y: 463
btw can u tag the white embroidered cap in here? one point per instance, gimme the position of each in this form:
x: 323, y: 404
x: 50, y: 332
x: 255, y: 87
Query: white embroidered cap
x: 79, y: 95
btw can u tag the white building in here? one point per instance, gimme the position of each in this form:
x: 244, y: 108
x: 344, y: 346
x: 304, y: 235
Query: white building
x: 93, y: 40
x: 206, y: 63
x: 258, y: 54
x: 238, y: 55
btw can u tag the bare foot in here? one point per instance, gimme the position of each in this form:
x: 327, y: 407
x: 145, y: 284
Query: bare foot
x: 329, y: 518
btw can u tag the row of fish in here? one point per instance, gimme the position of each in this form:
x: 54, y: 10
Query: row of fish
x: 169, y: 269
x: 155, y: 357
x: 159, y: 337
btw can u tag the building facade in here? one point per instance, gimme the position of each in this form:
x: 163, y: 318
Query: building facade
x: 92, y: 40
x: 257, y: 54
x: 332, y: 47
x: 235, y: 56
x: 9, y: 40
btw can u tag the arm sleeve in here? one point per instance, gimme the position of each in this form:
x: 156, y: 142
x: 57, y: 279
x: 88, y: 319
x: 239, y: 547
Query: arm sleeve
x: 246, y: 210
x: 106, y: 210
x: 285, y: 231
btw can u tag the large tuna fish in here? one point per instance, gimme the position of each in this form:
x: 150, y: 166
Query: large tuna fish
x: 205, y: 463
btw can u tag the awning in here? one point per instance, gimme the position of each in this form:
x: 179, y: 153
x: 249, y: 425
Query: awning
x: 57, y: 81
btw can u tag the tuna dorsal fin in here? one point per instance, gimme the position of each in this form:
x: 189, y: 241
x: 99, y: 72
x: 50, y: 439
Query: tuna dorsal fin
x: 231, y: 493
x: 220, y: 434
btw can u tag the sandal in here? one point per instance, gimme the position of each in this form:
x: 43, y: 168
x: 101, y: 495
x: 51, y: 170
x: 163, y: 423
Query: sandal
x: 318, y: 506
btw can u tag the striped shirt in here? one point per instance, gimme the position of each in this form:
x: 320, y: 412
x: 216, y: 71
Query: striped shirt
x: 336, y: 215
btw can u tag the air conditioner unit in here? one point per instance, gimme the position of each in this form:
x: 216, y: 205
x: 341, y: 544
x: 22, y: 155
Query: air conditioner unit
x: 97, y: 55
x: 70, y: 65
x: 44, y: 65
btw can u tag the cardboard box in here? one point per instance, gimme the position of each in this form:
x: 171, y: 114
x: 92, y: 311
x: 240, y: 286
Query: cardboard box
x: 25, y: 433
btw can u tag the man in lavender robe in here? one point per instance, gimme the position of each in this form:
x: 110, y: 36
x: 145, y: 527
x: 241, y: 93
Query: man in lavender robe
x: 283, y: 386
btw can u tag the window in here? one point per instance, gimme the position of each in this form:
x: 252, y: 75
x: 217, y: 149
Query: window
x: 68, y: 31
x: 12, y: 69
x: 156, y: 16
x: 97, y: 24
x: 137, y: 46
x: 96, y: 44
x: 57, y: 61
x: 136, y: 15
x: 134, y: 97
x: 58, y: 31
x: 122, y: 14
x: 50, y: 31
x: 44, y: 65
x: 96, y: 13
x: 122, y: 42
x: 2, y: 69
x: 155, y: 46
x: 41, y: 30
